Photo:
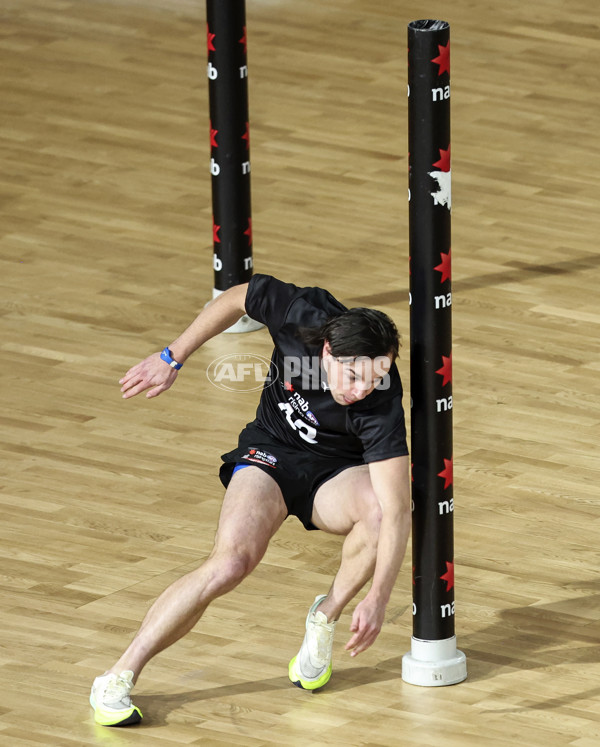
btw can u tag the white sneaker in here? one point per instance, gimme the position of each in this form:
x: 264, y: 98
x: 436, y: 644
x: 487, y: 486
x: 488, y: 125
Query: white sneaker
x: 311, y: 668
x: 111, y: 702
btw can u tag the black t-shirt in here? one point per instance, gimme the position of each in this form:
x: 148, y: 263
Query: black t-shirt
x: 296, y: 406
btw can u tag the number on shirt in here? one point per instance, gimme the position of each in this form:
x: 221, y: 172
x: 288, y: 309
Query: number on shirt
x: 307, y: 432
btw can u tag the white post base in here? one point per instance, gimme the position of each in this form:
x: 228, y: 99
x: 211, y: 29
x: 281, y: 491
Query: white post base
x: 245, y: 324
x: 434, y: 663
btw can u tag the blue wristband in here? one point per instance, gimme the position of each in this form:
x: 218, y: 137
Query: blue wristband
x: 167, y: 357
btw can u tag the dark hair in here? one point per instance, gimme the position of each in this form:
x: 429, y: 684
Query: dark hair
x: 356, y: 332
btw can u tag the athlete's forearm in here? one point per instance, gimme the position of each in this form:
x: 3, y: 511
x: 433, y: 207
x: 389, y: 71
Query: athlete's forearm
x: 369, y: 614
x: 391, y: 485
x: 215, y: 317
x: 391, y: 548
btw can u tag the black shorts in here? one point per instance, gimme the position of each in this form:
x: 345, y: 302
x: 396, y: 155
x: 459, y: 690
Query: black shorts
x: 298, y: 473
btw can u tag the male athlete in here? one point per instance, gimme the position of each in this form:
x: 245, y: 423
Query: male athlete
x: 328, y: 445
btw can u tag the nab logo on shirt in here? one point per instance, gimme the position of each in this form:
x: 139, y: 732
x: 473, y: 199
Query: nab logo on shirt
x: 241, y: 372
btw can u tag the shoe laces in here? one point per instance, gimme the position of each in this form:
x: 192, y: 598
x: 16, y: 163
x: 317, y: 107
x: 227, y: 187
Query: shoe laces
x: 118, y: 687
x: 320, y: 638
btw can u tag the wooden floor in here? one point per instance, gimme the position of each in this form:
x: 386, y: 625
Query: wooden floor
x: 105, y: 250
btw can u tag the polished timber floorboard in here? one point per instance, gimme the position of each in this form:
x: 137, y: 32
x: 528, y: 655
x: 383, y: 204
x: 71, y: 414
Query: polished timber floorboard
x: 105, y: 255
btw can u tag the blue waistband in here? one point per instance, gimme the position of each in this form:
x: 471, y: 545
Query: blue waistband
x: 239, y: 466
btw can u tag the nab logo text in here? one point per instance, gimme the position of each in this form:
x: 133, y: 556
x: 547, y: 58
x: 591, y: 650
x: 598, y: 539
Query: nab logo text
x: 443, y: 301
x: 447, y: 610
x: 439, y: 94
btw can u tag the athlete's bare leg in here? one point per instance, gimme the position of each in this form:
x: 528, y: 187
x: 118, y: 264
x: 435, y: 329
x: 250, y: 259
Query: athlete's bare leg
x: 253, y: 510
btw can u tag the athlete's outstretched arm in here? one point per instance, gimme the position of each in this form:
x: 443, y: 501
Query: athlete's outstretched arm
x: 156, y: 376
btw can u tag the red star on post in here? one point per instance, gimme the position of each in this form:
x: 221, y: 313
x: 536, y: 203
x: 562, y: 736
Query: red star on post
x: 444, y: 163
x: 288, y: 386
x: 213, y: 137
x: 447, y: 473
x: 445, y: 266
x: 443, y: 59
x: 209, y: 40
x: 246, y: 136
x: 448, y: 577
x: 216, y: 229
x: 248, y: 232
x: 446, y: 369
x: 244, y: 41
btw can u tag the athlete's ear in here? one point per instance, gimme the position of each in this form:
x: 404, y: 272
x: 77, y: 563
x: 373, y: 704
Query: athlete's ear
x: 326, y: 348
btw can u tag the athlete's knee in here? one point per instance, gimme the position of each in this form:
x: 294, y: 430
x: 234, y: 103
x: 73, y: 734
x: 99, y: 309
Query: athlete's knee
x: 371, y: 514
x: 240, y: 564
x: 234, y: 565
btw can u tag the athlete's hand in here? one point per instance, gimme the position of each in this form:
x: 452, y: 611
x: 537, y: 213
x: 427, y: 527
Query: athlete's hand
x: 152, y: 374
x: 366, y: 625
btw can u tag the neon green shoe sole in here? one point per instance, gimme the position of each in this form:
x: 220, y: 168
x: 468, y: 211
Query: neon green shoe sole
x: 295, y: 678
x: 125, y: 717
